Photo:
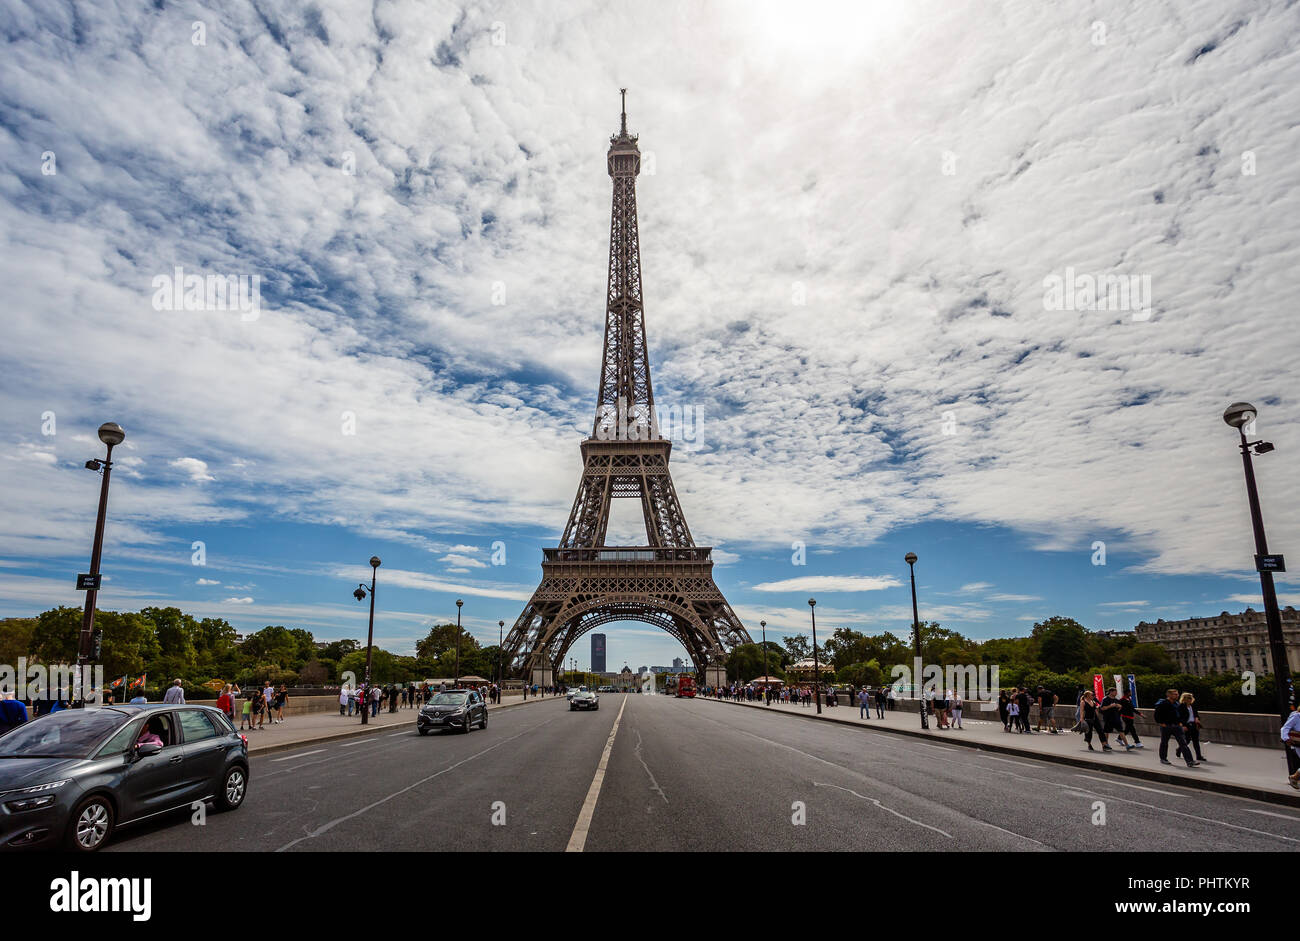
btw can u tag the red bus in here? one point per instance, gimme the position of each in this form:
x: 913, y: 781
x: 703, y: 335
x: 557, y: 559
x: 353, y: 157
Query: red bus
x: 685, y: 686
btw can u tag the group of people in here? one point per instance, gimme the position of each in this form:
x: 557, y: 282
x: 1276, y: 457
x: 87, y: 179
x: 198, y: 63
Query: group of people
x: 945, y: 707
x: 266, y: 702
x: 394, y: 696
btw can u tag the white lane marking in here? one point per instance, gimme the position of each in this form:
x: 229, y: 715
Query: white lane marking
x: 323, y: 828
x: 654, y: 785
x: 350, y: 744
x: 1136, y: 787
x: 1269, y: 813
x: 301, y: 754
x: 872, y: 800
x: 578, y: 839
x: 395, y: 734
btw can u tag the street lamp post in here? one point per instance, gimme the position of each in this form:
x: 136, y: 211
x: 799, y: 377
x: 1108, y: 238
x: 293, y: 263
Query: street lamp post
x: 112, y: 435
x: 817, y: 672
x: 1239, y: 415
x: 910, y: 559
x: 501, y: 676
x: 767, y: 681
x: 360, y: 595
x: 459, y: 604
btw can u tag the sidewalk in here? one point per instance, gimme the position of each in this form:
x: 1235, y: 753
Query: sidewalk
x: 330, y: 726
x: 1258, y: 773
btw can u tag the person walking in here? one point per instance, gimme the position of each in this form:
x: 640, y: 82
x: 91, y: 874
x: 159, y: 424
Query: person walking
x: 1127, y: 712
x: 175, y: 694
x: 1291, y: 742
x: 224, y: 703
x: 1013, y: 714
x: 268, y: 697
x: 1046, y: 706
x: 345, y: 700
x: 1166, y: 716
x: 1004, y: 710
x: 281, y: 696
x: 1191, y: 725
x: 956, y: 703
x: 246, y: 714
x: 1112, y: 719
x: 1092, y: 721
x: 864, y: 704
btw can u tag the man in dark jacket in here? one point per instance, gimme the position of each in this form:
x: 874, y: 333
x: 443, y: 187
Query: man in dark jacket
x: 1166, y: 716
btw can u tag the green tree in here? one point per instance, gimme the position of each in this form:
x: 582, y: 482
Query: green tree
x: 797, y: 647
x: 1062, y: 644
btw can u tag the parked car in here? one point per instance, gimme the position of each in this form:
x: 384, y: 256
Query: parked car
x: 459, y: 709
x: 73, y: 777
x: 584, y: 699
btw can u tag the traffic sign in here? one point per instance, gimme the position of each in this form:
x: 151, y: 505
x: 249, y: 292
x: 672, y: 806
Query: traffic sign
x: 1270, y: 563
x: 88, y: 582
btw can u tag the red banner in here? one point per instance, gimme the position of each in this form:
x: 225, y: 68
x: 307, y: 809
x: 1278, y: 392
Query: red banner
x: 1098, y: 686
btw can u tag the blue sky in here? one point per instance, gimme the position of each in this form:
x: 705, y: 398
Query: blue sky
x: 849, y: 215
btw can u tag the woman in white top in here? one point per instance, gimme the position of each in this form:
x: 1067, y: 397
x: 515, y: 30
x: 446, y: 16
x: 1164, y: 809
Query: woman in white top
x: 955, y: 699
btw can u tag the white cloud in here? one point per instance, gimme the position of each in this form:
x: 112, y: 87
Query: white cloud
x: 238, y: 601
x: 1000, y: 596
x: 198, y: 470
x: 465, y: 562
x: 976, y: 586
x: 832, y: 583
x: 207, y: 581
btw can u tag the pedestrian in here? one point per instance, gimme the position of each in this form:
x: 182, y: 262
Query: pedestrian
x: 268, y: 696
x: 1191, y: 724
x: 1112, y: 717
x: 13, y: 713
x: 1291, y: 742
x: 1023, y: 697
x: 1013, y: 714
x: 1004, y: 712
x: 345, y: 700
x: 259, y: 707
x: 1092, y: 721
x: 223, y: 701
x: 893, y: 699
x: 375, y: 695
x: 1166, y: 716
x: 1046, y: 707
x: 1127, y: 713
x: 956, y: 703
x: 864, y: 704
x: 175, y: 694
x: 246, y: 715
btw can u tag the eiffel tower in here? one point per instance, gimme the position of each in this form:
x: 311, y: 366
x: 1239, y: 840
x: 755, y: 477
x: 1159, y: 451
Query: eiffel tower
x: 669, y: 581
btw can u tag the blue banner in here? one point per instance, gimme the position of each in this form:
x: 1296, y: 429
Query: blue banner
x: 1133, y: 689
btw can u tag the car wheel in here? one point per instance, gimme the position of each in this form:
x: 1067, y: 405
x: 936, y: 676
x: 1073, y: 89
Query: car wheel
x: 234, y: 788
x: 595, y: 707
x: 469, y: 724
x: 422, y: 730
x: 91, y: 824
x: 572, y: 707
x: 483, y: 724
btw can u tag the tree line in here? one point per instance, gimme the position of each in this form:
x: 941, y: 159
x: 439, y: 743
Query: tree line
x: 166, y: 644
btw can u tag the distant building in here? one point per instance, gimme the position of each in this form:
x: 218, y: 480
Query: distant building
x: 598, y: 653
x: 1227, y: 643
x: 626, y: 678
x: 678, y: 666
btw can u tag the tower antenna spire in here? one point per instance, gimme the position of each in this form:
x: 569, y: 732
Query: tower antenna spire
x: 623, y: 125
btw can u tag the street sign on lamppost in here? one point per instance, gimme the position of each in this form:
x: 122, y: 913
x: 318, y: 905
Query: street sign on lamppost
x: 112, y: 435
x: 360, y: 595
x: 817, y: 673
x: 1239, y: 415
x: 459, y: 603
x: 767, y: 681
x: 910, y: 559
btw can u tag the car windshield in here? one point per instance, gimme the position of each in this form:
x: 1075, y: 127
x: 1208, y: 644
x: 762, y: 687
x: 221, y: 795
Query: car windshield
x: 68, y: 734
x: 449, y: 699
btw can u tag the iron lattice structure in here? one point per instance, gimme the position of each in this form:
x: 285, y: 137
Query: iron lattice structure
x: 585, y: 583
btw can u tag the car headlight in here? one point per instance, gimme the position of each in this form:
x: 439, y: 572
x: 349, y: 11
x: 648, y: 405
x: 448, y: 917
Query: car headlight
x: 38, y: 788
x: 35, y: 797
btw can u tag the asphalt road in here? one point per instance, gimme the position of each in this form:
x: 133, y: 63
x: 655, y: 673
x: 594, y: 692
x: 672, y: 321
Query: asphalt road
x: 687, y: 775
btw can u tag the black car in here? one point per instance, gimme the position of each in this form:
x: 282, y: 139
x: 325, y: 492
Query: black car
x: 72, y: 777
x: 459, y: 709
x: 584, y: 699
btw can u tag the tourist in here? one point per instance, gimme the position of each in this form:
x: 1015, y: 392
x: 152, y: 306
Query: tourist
x: 956, y: 703
x: 1004, y: 713
x: 345, y: 700
x: 1013, y: 714
x: 1291, y: 742
x: 1191, y: 725
x: 12, y: 712
x: 1046, y: 706
x: 224, y: 704
x: 864, y: 704
x: 1127, y: 712
x: 1166, y: 716
x: 1092, y: 721
x: 1112, y: 719
x: 1024, y: 701
x: 175, y: 694
x: 259, y: 707
x: 281, y: 696
x: 246, y: 716
x: 268, y: 696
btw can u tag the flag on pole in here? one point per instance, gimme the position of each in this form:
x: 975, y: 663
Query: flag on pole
x: 118, y: 682
x: 1119, y: 686
x: 1098, y: 686
x: 1133, y: 689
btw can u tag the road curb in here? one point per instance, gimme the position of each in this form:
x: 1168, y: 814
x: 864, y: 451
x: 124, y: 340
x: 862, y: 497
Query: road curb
x: 1288, y: 798
x: 260, y: 750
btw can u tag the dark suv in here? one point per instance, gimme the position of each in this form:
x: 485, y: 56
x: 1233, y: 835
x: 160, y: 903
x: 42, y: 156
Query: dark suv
x: 459, y: 709
x: 72, y: 777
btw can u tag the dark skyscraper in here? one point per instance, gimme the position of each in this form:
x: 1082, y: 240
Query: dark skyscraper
x: 598, y: 653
